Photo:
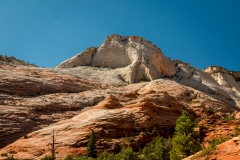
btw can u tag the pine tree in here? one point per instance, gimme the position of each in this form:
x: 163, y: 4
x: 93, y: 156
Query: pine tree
x: 158, y: 149
x: 126, y: 154
x: 185, y: 141
x: 91, y: 147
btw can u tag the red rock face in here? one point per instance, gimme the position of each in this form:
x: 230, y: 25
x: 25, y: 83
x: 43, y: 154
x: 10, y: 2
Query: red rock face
x: 228, y: 150
x: 33, y: 98
x: 35, y: 102
x: 72, y: 107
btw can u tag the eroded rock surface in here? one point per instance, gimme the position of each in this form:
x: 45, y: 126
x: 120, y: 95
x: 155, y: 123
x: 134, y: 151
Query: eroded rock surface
x: 95, y: 90
x: 133, y: 58
x: 228, y: 80
x: 229, y: 150
x: 207, y: 83
x: 131, y: 114
x: 32, y: 98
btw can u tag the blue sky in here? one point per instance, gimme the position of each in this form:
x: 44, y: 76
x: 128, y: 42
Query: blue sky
x: 46, y: 32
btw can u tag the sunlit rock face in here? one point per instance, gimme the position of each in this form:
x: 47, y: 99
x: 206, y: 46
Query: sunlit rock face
x: 228, y: 150
x: 139, y: 111
x: 200, y: 80
x: 91, y: 91
x: 229, y: 81
x: 132, y: 58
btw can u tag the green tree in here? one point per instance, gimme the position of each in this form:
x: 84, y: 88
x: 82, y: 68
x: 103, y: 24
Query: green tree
x: 185, y: 141
x: 126, y: 154
x: 84, y: 158
x: 91, y: 147
x: 50, y: 157
x: 69, y: 157
x: 103, y: 155
x: 158, y: 148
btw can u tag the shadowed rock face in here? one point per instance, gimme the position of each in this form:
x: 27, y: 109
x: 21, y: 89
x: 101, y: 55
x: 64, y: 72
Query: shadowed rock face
x: 133, y: 57
x: 214, y: 81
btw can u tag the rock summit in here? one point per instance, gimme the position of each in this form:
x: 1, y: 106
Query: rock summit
x: 133, y: 58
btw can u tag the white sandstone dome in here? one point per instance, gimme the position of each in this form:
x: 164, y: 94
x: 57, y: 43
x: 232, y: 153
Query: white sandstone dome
x: 132, y: 57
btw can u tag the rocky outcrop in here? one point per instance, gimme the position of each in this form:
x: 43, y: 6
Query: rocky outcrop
x: 31, y: 81
x: 82, y: 59
x: 229, y: 150
x: 200, y: 80
x: 131, y: 115
x: 103, y: 76
x: 236, y: 75
x: 133, y: 58
x: 32, y: 98
x: 92, y: 91
x: 227, y: 80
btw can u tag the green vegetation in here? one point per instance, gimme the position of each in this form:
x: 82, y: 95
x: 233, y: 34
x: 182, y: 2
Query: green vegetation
x: 213, y: 143
x: 69, y: 157
x: 50, y: 157
x: 91, y: 147
x: 186, y: 141
x: 207, y: 151
x: 13, y: 60
x: 210, y: 110
x: 228, y: 118
x: 157, y: 149
x: 236, y: 130
x: 9, y: 156
x: 125, y: 153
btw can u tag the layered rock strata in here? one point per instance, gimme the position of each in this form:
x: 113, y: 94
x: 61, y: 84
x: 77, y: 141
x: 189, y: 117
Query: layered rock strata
x: 130, y: 115
x: 92, y: 91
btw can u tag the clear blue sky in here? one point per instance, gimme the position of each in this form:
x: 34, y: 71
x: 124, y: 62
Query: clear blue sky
x: 46, y: 32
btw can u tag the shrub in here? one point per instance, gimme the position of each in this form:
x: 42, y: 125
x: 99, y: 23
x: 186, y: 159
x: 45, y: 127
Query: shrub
x: 212, y: 146
x: 69, y: 157
x: 84, y: 158
x: 50, y: 157
x: 213, y: 143
x: 126, y: 154
x: 228, y: 118
x: 157, y: 149
x: 103, y: 155
x: 9, y: 156
x: 210, y: 110
x: 236, y: 130
x: 185, y: 141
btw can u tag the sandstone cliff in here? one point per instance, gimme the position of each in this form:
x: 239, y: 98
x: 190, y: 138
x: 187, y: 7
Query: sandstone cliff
x: 229, y: 150
x: 131, y: 114
x: 228, y: 80
x: 95, y: 90
x: 135, y: 59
